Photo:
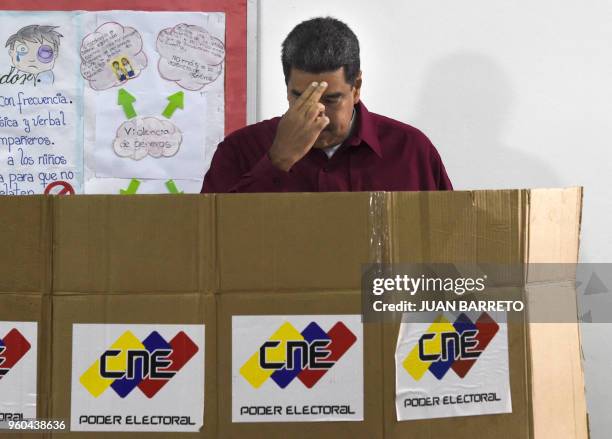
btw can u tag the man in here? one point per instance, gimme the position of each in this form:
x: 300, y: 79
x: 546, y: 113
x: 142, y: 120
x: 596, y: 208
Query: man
x: 33, y: 50
x: 327, y: 140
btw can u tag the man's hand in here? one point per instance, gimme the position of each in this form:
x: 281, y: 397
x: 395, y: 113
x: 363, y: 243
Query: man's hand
x: 299, y: 128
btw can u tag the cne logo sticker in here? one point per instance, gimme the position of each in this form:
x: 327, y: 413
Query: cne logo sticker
x: 129, y: 363
x: 13, y: 346
x: 446, y: 345
x: 305, y: 355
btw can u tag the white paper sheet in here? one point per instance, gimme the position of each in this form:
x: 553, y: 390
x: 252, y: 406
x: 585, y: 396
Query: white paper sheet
x: 453, y: 366
x: 150, y: 145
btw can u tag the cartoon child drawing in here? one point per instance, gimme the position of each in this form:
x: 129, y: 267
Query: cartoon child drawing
x: 127, y: 67
x: 34, y: 49
x: 119, y: 71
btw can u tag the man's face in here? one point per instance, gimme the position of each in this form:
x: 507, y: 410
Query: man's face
x: 33, y: 57
x: 339, y: 99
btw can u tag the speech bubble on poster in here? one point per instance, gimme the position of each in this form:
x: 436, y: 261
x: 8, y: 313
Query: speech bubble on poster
x: 143, y: 136
x: 189, y: 56
x: 111, y: 56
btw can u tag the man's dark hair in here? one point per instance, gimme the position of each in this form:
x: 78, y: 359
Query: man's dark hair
x: 321, y: 45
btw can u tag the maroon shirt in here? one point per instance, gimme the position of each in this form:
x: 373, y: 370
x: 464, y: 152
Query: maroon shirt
x: 381, y: 154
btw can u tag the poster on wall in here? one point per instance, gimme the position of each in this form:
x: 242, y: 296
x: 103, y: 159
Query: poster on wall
x: 118, y: 102
x: 456, y: 365
x: 40, y: 105
x: 154, y: 98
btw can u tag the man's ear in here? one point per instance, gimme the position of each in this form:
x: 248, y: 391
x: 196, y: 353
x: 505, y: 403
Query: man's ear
x: 357, y: 88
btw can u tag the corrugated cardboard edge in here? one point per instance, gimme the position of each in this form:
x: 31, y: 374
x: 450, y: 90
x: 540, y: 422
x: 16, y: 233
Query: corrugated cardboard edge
x: 553, y: 218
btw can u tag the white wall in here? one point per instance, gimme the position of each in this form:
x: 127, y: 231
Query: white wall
x: 513, y: 94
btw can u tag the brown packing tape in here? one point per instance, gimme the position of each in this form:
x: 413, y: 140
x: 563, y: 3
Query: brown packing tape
x: 379, y: 227
x: 311, y: 303
x: 170, y: 308
x: 33, y: 307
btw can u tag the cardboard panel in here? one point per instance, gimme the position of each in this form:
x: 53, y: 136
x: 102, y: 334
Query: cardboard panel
x: 554, y: 229
x: 460, y: 227
x: 457, y: 227
x: 133, y: 244
x: 172, y: 308
x: 249, y: 303
x: 33, y: 307
x: 25, y: 260
x: 292, y: 241
x: 554, y: 225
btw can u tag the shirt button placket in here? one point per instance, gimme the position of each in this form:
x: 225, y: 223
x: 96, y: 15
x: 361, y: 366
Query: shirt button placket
x: 324, y: 178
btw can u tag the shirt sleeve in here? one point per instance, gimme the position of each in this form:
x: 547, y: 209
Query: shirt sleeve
x: 226, y: 174
x: 443, y: 183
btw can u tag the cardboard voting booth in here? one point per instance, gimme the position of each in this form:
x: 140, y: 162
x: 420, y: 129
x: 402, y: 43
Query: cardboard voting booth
x: 239, y: 316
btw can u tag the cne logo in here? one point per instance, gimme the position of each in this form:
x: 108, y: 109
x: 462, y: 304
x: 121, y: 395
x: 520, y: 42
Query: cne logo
x: 290, y: 354
x: 447, y: 345
x: 130, y: 363
x: 13, y: 346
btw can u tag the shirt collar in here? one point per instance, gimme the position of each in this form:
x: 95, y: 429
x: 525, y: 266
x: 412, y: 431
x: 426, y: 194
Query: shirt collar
x: 365, y: 130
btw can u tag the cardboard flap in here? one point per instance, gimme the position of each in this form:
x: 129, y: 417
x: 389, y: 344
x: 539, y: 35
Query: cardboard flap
x: 134, y: 244
x: 457, y: 227
x: 25, y: 234
x: 558, y: 397
x: 292, y: 241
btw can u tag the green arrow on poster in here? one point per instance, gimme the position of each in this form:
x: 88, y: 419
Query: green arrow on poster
x: 174, y: 101
x: 132, y: 188
x: 171, y: 185
x: 126, y: 100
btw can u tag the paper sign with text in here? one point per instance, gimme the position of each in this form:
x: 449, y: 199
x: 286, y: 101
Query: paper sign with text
x: 297, y: 368
x: 457, y: 365
x: 18, y: 370
x: 137, y: 377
